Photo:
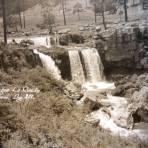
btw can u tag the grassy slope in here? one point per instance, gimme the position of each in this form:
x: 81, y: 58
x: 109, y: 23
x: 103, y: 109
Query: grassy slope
x: 50, y: 118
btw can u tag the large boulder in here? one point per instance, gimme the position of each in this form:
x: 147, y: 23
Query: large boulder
x: 139, y: 106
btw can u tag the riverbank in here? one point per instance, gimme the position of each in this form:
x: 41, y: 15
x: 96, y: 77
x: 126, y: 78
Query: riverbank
x: 50, y: 118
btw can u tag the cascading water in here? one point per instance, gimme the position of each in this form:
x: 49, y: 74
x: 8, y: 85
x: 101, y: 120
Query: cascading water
x: 114, y: 115
x: 94, y: 71
x: 93, y: 65
x: 37, y: 40
x: 76, y: 67
x: 49, y: 64
x: 41, y: 41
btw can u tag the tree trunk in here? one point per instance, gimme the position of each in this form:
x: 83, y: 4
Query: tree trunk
x: 20, y: 18
x: 78, y: 15
x: 86, y: 3
x: 16, y: 28
x: 24, y: 20
x: 125, y: 10
x: 63, y: 7
x: 4, y: 21
x: 95, y: 11
x: 103, y: 15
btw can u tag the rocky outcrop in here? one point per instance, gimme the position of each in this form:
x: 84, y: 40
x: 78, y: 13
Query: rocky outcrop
x: 63, y: 63
x: 16, y: 58
x: 67, y: 39
x: 124, y: 45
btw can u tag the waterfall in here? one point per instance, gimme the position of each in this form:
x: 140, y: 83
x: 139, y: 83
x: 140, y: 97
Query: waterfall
x: 41, y: 41
x: 88, y: 70
x: 93, y: 65
x: 76, y: 67
x: 49, y: 64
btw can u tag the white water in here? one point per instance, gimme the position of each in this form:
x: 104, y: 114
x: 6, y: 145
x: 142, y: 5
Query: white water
x: 107, y: 123
x: 115, y: 116
x: 38, y: 40
x: 49, y: 64
x: 98, y: 86
x: 116, y: 111
x: 93, y: 65
x: 94, y: 71
x: 76, y: 67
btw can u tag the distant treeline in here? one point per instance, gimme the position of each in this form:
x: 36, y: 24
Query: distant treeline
x: 17, y: 6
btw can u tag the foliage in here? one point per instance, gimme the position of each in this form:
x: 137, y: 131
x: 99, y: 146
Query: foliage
x: 49, y: 19
x: 77, y: 8
x: 15, y: 6
x: 109, y: 5
x: 13, y: 21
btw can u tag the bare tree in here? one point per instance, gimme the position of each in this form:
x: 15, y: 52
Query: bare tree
x: 95, y: 4
x: 20, y: 18
x: 95, y: 11
x: 63, y: 9
x: 125, y: 10
x: 4, y: 21
x: 86, y: 3
x: 103, y: 15
x: 24, y: 18
x: 101, y: 6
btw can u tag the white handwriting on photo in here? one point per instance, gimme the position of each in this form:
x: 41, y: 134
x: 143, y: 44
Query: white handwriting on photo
x: 18, y: 93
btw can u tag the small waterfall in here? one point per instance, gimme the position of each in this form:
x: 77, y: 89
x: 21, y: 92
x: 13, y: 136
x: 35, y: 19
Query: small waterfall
x: 93, y: 65
x: 76, y: 67
x: 41, y: 41
x: 49, y: 64
x: 87, y: 70
x: 38, y: 40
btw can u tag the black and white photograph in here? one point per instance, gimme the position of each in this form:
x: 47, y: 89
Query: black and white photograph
x: 73, y: 73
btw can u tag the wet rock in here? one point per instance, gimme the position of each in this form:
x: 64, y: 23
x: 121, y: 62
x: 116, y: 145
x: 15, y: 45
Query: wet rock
x: 118, y: 91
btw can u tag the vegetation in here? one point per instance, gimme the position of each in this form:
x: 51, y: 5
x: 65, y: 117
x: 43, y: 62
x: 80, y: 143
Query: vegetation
x: 101, y: 6
x: 50, y: 119
x: 77, y: 9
